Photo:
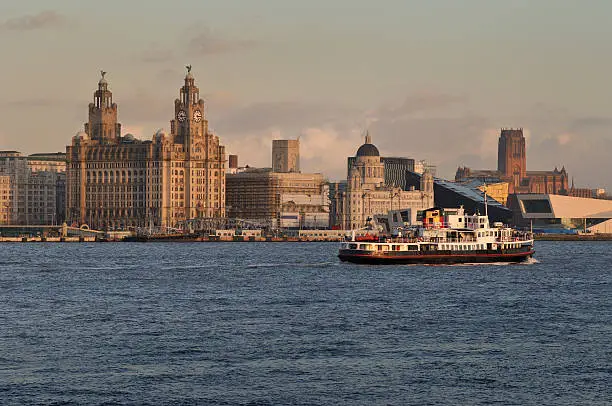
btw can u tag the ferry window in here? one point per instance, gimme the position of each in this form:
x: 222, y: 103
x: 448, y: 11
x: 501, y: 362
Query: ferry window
x: 353, y: 246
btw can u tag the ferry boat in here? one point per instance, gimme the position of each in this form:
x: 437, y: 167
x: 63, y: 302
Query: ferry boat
x: 446, y: 236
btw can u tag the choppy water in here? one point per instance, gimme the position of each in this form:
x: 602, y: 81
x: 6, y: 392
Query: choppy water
x: 286, y: 323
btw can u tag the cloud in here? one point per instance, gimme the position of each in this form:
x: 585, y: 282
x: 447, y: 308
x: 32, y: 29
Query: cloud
x: 156, y: 55
x: 590, y: 123
x: 44, y: 19
x: 220, y: 101
x: 254, y: 150
x: 424, y: 102
x: 288, y: 115
x: 325, y: 150
x: 564, y: 139
x: 207, y: 42
x: 34, y: 102
x: 322, y: 150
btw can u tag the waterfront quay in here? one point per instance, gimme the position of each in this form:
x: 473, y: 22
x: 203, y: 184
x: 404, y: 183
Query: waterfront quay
x: 303, y: 237
x: 185, y: 238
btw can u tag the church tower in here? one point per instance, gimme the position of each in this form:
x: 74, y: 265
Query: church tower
x: 511, y: 155
x: 102, y: 125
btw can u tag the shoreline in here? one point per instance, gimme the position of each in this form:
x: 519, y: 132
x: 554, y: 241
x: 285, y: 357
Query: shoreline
x: 539, y: 237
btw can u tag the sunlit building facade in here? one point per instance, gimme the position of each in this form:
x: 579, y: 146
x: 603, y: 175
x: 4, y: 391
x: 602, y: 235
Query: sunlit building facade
x: 116, y: 181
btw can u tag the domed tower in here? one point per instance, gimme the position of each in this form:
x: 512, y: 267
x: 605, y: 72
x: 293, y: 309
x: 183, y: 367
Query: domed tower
x: 189, y: 124
x: 102, y: 125
x: 369, y: 164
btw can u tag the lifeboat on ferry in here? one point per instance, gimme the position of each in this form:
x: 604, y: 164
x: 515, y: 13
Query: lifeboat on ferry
x: 367, y: 238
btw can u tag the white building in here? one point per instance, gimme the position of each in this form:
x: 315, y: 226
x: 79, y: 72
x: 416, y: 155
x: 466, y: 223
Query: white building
x: 557, y: 213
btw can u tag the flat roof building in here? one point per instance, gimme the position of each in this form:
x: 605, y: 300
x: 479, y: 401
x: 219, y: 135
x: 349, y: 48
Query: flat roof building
x: 556, y: 213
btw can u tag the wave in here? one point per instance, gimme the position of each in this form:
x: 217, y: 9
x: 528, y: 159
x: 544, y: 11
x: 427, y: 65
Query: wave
x: 292, y: 264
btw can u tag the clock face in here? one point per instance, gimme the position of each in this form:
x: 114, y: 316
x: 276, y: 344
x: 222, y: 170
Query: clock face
x: 181, y: 115
x: 197, y: 116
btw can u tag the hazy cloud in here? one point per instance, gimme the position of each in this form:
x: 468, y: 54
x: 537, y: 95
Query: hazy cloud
x: 325, y: 150
x: 35, y: 102
x: 420, y: 103
x: 220, y: 101
x: 157, y: 55
x: 591, y: 123
x: 207, y: 42
x: 44, y: 19
x: 291, y: 115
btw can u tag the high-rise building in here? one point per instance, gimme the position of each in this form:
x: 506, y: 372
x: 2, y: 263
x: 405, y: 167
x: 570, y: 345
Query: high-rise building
x: 286, y: 156
x: 37, y: 190
x: 117, y: 181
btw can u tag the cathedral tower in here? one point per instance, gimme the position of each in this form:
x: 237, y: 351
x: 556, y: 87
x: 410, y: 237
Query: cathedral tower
x: 511, y: 156
x: 102, y: 125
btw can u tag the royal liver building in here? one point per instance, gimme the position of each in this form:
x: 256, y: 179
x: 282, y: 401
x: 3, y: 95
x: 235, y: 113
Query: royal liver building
x: 115, y: 181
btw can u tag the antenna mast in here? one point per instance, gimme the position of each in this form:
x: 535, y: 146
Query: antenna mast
x: 485, y: 201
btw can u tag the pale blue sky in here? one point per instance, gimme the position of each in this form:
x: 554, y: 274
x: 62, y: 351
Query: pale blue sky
x: 431, y: 79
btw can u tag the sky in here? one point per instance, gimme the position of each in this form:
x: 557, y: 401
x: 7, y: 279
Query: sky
x: 431, y: 80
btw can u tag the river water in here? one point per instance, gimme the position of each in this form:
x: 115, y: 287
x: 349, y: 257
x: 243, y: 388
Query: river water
x: 287, y: 323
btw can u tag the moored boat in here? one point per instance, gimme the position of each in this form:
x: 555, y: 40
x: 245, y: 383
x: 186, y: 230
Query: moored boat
x: 447, y: 236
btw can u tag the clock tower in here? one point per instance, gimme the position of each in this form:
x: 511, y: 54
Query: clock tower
x: 197, y: 164
x: 189, y: 125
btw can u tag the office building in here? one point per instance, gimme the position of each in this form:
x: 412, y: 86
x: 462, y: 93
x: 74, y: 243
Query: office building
x: 116, y: 181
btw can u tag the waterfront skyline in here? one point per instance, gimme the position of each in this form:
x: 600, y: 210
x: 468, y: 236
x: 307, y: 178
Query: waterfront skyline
x: 430, y: 81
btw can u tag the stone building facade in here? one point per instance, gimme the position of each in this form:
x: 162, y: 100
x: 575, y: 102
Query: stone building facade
x: 286, y: 156
x: 366, y: 193
x: 512, y: 168
x: 116, y: 181
x: 6, y: 199
x: 37, y: 188
x: 395, y: 169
